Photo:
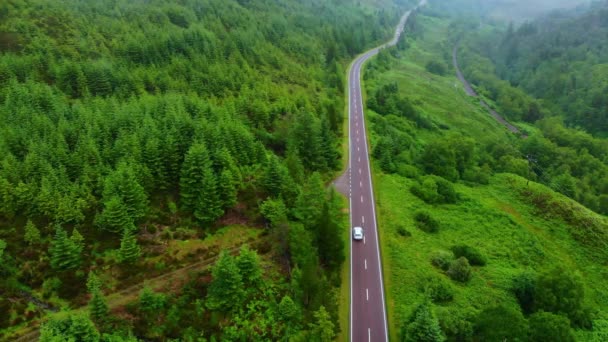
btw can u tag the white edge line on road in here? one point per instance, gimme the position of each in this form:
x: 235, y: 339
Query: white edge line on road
x: 350, y: 203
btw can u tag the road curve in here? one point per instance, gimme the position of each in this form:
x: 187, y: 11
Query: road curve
x: 367, y: 306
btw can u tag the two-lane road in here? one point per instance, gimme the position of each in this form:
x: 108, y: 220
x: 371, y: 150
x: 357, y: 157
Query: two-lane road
x: 367, y: 309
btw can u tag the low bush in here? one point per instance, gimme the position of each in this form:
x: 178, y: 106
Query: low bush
x: 474, y: 256
x: 442, y: 259
x: 435, y: 190
x: 403, y: 232
x: 460, y: 270
x: 438, y: 289
x: 425, y: 222
x: 437, y: 68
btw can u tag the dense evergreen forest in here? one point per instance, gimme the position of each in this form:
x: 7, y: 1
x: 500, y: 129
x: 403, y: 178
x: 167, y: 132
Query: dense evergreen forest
x: 481, y: 237
x: 138, y: 137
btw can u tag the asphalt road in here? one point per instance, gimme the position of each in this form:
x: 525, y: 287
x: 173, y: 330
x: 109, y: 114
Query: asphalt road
x: 367, y: 309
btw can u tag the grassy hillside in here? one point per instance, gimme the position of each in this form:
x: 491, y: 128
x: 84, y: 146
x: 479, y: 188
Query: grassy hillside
x: 507, y: 227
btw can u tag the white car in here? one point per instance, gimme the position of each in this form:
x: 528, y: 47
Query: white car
x: 358, y: 233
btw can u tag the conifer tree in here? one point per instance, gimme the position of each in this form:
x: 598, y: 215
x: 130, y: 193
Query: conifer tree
x: 98, y: 307
x: 115, y: 216
x: 226, y: 290
x: 124, y: 185
x: 129, y: 249
x: 248, y: 263
x: 423, y: 326
x: 322, y: 330
x: 227, y: 189
x: 198, y: 186
x: 309, y: 204
x: 66, y: 253
x: 7, y: 198
x: 329, y: 235
x: 273, y: 178
x: 32, y: 234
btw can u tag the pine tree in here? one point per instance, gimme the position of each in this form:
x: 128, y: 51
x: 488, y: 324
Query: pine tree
x: 7, y: 199
x: 309, y: 205
x: 227, y: 189
x: 32, y: 234
x: 328, y: 150
x: 329, y: 234
x: 123, y: 184
x: 423, y: 326
x: 322, y: 330
x: 198, y: 188
x: 129, y: 249
x: 115, y: 216
x: 226, y: 290
x: 248, y: 263
x: 273, y: 177
x: 98, y: 308
x: 66, y: 253
x: 288, y: 310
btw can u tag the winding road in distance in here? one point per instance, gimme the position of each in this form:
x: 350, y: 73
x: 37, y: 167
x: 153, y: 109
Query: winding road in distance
x: 368, y: 320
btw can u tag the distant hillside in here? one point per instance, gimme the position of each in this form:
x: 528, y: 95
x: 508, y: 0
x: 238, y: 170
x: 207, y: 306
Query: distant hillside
x: 563, y: 60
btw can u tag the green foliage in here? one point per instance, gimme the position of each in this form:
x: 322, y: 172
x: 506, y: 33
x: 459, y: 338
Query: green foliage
x: 248, y: 263
x: 151, y: 302
x: 129, y: 250
x: 66, y: 253
x: 425, y: 222
x: 32, y: 234
x: 545, y: 326
x: 198, y: 186
x: 523, y: 288
x: 472, y: 254
x: 561, y: 291
x: 322, y: 330
x: 435, y: 67
x: 435, y: 190
x: 442, y: 259
x: 460, y: 270
x: 289, y: 313
x: 422, y: 325
x: 501, y: 323
x: 438, y: 289
x: 73, y: 327
x: 329, y: 230
x: 226, y: 290
x: 115, y: 216
x: 98, y: 307
x: 124, y: 185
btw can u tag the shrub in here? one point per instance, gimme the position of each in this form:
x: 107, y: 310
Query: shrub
x: 501, y: 323
x: 425, y: 222
x: 442, y: 259
x: 437, y: 68
x: 460, y: 270
x: 403, y: 232
x: 523, y: 289
x: 474, y: 257
x: 435, y: 190
x: 438, y: 289
x: 562, y: 291
x: 545, y: 326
